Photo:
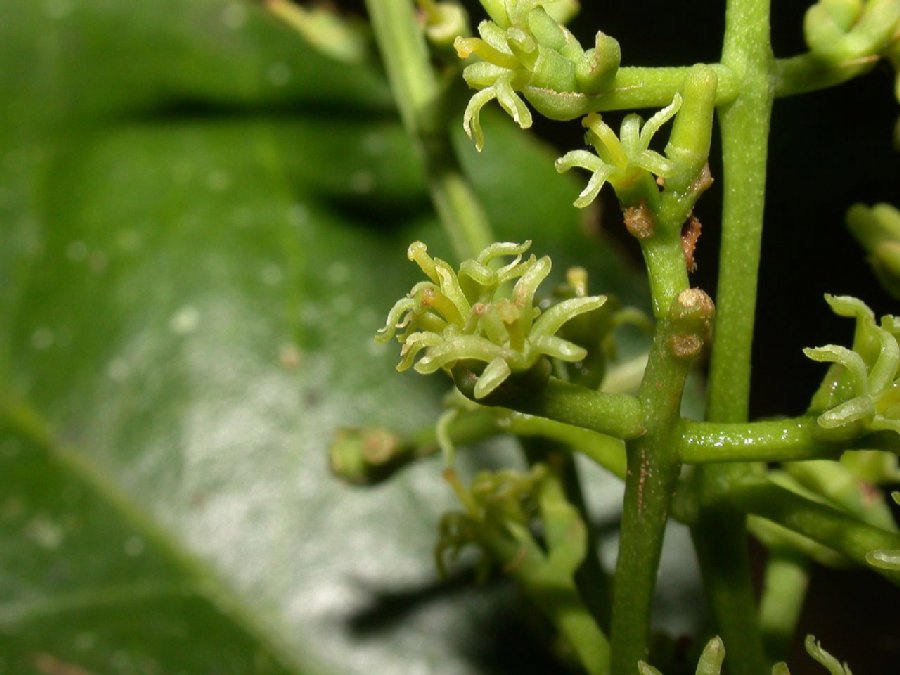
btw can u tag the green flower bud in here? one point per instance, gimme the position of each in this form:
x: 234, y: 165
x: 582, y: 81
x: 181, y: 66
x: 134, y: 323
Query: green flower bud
x: 688, y: 146
x: 878, y: 231
x: 367, y: 456
x: 529, y: 51
x: 444, y: 22
x: 597, y: 68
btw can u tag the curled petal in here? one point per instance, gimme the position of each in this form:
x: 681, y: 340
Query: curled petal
x: 553, y: 319
x: 458, y: 348
x: 558, y: 348
x: 451, y: 289
x: 512, y: 104
x: 414, y: 344
x: 884, y: 371
x: 604, y: 140
x: 525, y: 288
x: 471, y: 117
x: 831, y: 664
x: 630, y: 134
x: 864, y: 340
x: 492, y: 377
x: 601, y: 172
x: 479, y: 273
x: 848, y: 412
x: 655, y: 163
x: 852, y: 361
x: 402, y: 306
x: 656, y: 121
x: 481, y: 74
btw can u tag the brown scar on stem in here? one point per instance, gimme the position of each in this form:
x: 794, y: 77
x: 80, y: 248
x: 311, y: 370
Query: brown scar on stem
x: 642, y: 477
x: 690, y: 233
x: 639, y: 221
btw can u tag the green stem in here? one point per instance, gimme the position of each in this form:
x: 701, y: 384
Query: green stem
x: 652, y: 87
x: 787, y: 440
x: 745, y: 129
x: 618, y: 415
x: 720, y: 534
x: 653, y: 469
x: 821, y: 523
x: 807, y: 72
x: 421, y: 105
x: 784, y: 590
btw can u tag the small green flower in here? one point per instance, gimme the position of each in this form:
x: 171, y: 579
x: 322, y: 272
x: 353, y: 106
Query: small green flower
x: 861, y: 391
x: 622, y: 160
x: 474, y: 316
x: 525, y: 48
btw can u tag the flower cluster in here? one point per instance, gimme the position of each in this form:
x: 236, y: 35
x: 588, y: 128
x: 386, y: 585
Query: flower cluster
x: 622, y: 160
x: 475, y: 317
x: 498, y: 505
x: 525, y: 48
x: 861, y: 391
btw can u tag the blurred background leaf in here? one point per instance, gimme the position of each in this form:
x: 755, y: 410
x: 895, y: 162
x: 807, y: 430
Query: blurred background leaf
x: 203, y: 224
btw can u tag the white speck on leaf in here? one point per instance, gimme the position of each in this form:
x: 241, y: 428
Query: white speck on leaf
x: 278, y: 74
x: 186, y: 320
x: 42, y: 338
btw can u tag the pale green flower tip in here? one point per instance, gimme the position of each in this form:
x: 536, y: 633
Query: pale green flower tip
x: 781, y: 668
x: 502, y: 248
x: 472, y: 125
x: 884, y: 560
x: 586, y: 197
x: 652, y: 125
x: 494, y: 374
x: 814, y: 649
x: 711, y: 659
x: 854, y: 410
x: 558, y: 348
x: 647, y: 669
x: 847, y: 306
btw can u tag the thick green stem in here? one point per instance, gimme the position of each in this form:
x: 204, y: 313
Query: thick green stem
x: 720, y: 533
x: 653, y: 468
x: 421, y: 105
x: 787, y: 440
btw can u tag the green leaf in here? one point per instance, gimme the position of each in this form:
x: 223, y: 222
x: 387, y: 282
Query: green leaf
x: 204, y: 223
